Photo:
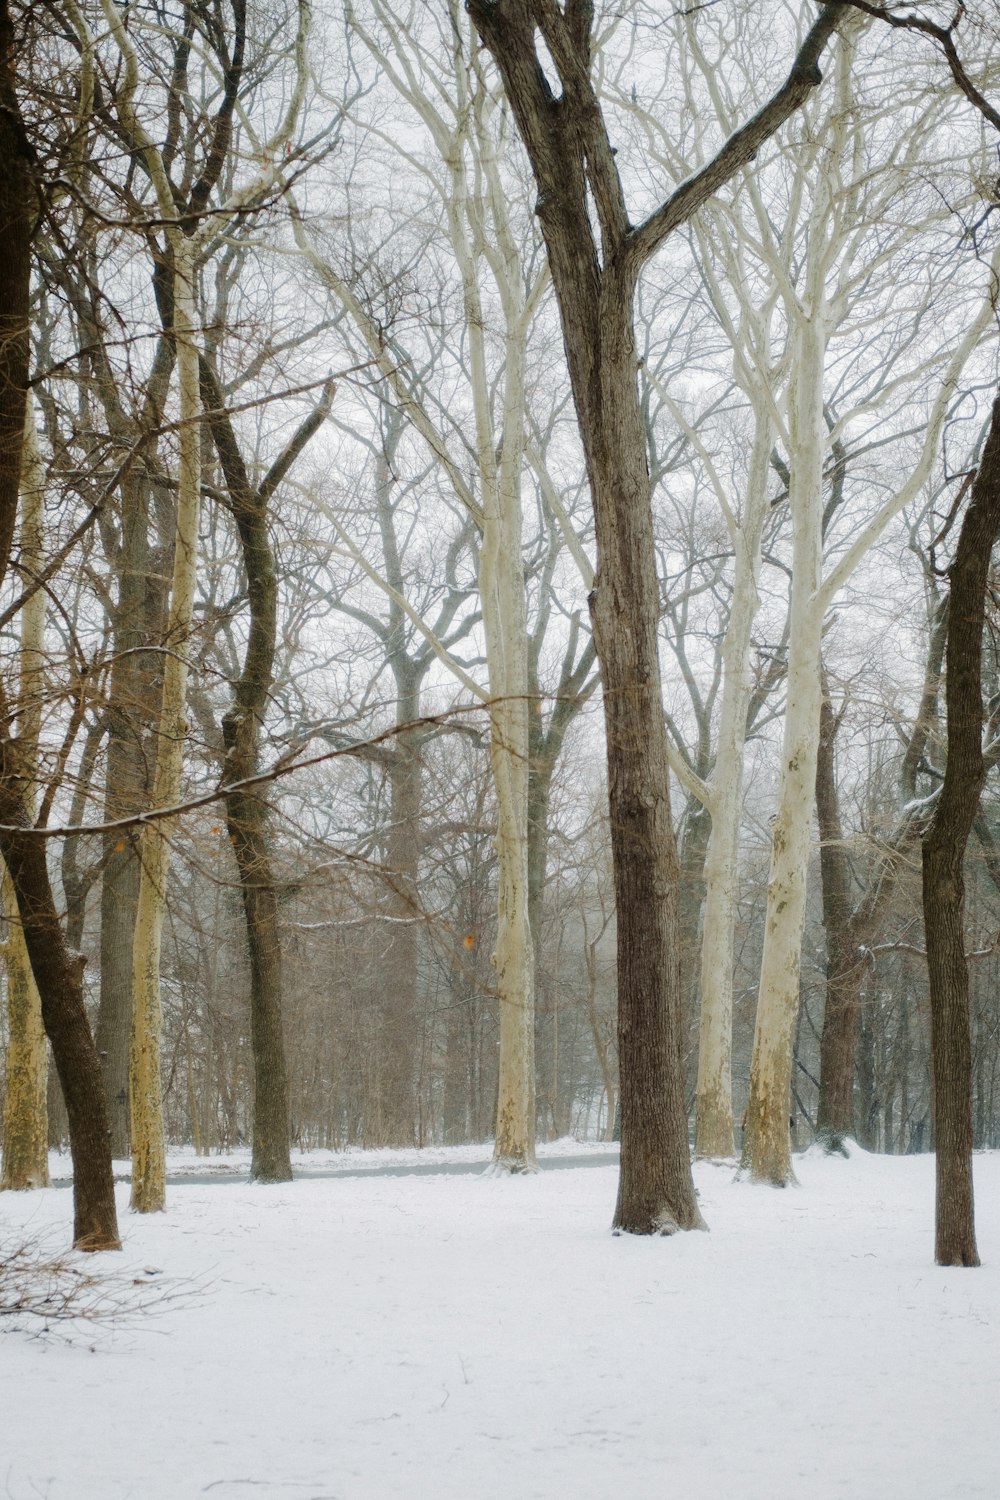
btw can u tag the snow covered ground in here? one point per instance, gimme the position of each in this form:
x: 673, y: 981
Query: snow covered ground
x: 461, y: 1338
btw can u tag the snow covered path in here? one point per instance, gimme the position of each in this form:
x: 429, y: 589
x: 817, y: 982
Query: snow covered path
x: 455, y: 1338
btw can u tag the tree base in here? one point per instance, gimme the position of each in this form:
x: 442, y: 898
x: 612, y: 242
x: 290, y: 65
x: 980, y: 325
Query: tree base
x: 967, y: 1257
x: 90, y: 1243
x: 269, y: 1176
x: 511, y: 1166
x: 662, y: 1223
x: 833, y: 1142
x: 764, y: 1176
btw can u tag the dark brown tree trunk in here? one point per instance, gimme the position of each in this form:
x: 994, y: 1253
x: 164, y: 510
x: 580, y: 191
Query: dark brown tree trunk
x: 398, y: 1021
x: 595, y: 256
x: 845, y: 962
x: 17, y: 210
x: 57, y: 972
x: 246, y: 819
x: 851, y: 925
x: 246, y: 811
x: 943, y: 856
x: 58, y: 975
x: 656, y: 1193
x: 696, y: 831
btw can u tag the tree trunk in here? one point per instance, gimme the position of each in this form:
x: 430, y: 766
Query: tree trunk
x: 25, y: 1112
x: 25, y: 1115
x: 145, y: 1088
x: 714, y: 1095
x: 246, y: 817
x: 845, y: 963
x: 246, y: 810
x: 502, y: 591
x: 943, y: 855
x: 58, y: 975
x: 656, y: 1193
x: 766, y: 1144
x: 57, y: 972
x: 595, y: 256
x: 134, y: 689
x: 398, y: 1018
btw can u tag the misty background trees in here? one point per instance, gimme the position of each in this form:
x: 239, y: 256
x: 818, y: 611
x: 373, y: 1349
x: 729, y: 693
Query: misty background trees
x: 317, y: 543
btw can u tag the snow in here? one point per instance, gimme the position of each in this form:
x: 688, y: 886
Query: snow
x: 460, y: 1338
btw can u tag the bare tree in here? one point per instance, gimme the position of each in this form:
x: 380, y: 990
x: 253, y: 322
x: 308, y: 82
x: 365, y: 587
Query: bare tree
x: 58, y: 973
x: 596, y: 254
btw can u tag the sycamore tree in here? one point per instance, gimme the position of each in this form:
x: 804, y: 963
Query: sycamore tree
x: 840, y: 262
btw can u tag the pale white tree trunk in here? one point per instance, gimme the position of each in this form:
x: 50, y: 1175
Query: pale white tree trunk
x: 767, y: 1145
x: 145, y: 1095
x: 814, y: 312
x: 501, y: 587
x: 501, y: 583
x: 25, y: 1115
x: 714, y: 1092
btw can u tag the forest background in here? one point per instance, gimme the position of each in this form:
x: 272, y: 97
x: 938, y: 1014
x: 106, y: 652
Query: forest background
x: 303, y: 736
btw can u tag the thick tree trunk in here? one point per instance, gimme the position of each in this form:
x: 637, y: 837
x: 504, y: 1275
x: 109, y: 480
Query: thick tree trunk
x: 943, y: 856
x: 595, y: 255
x: 655, y: 1192
x: 502, y: 592
x: 58, y: 974
x: 246, y: 817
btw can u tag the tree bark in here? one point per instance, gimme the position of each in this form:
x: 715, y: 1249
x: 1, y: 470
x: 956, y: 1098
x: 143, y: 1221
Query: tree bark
x: 139, y: 620
x: 943, y: 855
x: 845, y: 962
